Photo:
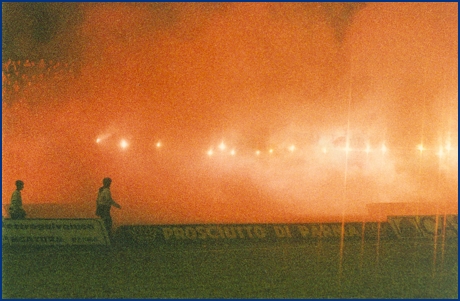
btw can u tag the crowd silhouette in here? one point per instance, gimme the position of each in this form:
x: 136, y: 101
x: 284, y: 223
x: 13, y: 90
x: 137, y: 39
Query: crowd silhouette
x: 19, y: 75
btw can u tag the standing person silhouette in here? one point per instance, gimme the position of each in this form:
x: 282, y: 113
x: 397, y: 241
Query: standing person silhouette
x: 104, y: 204
x: 16, y: 210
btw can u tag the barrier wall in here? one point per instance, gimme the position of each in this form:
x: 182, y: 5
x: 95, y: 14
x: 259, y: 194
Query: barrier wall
x: 61, y: 232
x: 92, y: 232
x: 397, y: 227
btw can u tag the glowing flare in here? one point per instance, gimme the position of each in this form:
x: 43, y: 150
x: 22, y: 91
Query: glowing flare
x: 347, y: 149
x: 368, y: 149
x: 210, y: 152
x: 158, y: 144
x: 101, y: 138
x: 384, y: 149
x: 292, y: 148
x: 420, y: 147
x: 222, y: 146
x: 441, y: 152
x: 123, y: 143
x: 232, y: 152
x: 257, y: 152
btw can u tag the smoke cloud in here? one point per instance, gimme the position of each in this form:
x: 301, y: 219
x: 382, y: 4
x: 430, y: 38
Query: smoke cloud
x: 288, y: 87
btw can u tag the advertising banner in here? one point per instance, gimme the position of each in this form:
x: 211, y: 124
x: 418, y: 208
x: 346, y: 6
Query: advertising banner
x: 235, y: 233
x: 28, y: 232
x: 424, y: 226
x: 397, y: 227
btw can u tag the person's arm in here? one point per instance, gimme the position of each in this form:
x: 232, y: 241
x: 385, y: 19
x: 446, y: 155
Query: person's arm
x: 112, y: 202
x: 115, y: 204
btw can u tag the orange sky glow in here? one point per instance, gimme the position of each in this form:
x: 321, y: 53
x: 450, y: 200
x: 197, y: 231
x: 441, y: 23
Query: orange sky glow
x: 239, y: 112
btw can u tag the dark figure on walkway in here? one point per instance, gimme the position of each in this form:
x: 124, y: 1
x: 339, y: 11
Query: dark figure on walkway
x: 105, y: 203
x: 16, y: 211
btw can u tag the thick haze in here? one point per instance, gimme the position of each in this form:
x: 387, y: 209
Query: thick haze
x: 255, y: 76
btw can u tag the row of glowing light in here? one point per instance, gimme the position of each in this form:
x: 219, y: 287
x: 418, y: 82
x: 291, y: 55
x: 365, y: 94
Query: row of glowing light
x: 291, y: 148
x: 383, y: 149
x: 222, y: 147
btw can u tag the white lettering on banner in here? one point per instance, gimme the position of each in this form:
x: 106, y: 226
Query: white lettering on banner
x: 452, y: 224
x: 402, y: 226
x: 167, y: 233
x: 54, y: 232
x: 230, y: 232
x: 332, y: 230
x: 430, y: 225
x: 214, y: 232
x: 190, y: 233
x: 350, y: 230
x: 424, y: 226
x: 50, y: 226
x: 259, y: 231
x: 304, y: 231
x: 239, y: 230
x: 434, y: 225
x: 26, y: 239
x: 178, y: 232
x: 282, y: 231
x: 396, y: 227
x: 315, y: 231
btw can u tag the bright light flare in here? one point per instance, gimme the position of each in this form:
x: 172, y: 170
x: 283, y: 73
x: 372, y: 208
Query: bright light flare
x: 158, y: 144
x: 384, y: 149
x: 292, y: 148
x: 210, y: 152
x: 368, y: 149
x: 420, y: 147
x: 124, y: 144
x: 257, y: 152
x: 101, y: 138
x: 222, y: 146
x: 448, y: 147
x: 440, y: 152
x: 232, y: 152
